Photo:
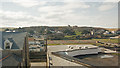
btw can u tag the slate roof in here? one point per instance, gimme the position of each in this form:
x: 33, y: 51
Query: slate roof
x: 17, y: 38
x: 11, y: 58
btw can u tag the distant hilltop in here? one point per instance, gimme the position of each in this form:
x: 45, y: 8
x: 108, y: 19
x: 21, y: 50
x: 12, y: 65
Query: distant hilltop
x: 81, y: 28
x: 66, y: 32
x: 112, y: 29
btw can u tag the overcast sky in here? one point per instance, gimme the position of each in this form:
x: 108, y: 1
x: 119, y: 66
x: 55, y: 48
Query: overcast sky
x: 24, y: 13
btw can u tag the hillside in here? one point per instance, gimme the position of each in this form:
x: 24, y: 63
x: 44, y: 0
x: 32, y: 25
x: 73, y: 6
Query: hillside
x: 112, y: 29
x: 65, y: 32
x: 38, y: 28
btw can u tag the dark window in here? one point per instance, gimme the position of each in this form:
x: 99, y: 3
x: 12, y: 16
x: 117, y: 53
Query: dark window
x: 7, y: 46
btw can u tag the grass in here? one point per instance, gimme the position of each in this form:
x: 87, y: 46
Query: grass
x: 102, y: 40
x: 116, y: 54
x: 108, y: 40
x: 98, y: 44
x: 70, y: 36
x: 67, y: 36
x: 70, y: 44
x: 78, y: 33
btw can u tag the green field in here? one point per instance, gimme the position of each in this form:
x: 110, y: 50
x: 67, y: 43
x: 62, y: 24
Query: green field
x: 69, y: 42
x: 108, y: 40
x: 76, y: 42
x: 77, y: 34
x: 69, y: 36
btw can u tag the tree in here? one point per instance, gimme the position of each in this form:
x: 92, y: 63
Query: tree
x: 7, y: 29
x: 69, y: 32
x: 31, y: 32
x: 85, y: 32
x: 56, y: 37
x: 49, y: 32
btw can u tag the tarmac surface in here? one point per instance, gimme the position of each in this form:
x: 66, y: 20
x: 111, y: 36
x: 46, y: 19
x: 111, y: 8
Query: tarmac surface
x: 100, y: 59
x: 60, y: 62
x: 95, y: 61
x: 38, y: 63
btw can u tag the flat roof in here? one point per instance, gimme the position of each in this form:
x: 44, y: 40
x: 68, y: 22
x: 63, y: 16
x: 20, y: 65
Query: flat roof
x: 100, y: 59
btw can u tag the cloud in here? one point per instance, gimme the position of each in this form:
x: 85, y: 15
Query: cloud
x: 61, y: 14
x: 105, y: 7
x: 111, y: 0
x: 72, y: 5
x: 11, y: 18
x: 65, y: 6
x: 60, y: 10
x: 23, y: 19
x: 14, y: 15
x: 29, y: 3
x: 54, y: 13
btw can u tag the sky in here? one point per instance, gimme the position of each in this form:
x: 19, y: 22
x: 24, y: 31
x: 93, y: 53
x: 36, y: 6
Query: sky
x: 91, y: 13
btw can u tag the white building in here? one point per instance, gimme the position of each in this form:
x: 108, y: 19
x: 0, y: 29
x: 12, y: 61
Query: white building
x: 83, y: 50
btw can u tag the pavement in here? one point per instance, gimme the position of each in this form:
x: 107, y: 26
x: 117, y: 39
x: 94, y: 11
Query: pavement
x: 57, y: 61
x: 38, y: 64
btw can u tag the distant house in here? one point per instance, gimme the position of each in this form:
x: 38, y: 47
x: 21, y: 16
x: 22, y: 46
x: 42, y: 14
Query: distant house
x: 101, y: 31
x: 10, y: 30
x: 38, y: 49
x: 118, y: 32
x: 114, y: 32
x: 31, y: 41
x: 59, y: 32
x: 14, y: 48
x: 92, y: 32
x: 107, y: 32
x: 116, y: 37
x: 52, y: 31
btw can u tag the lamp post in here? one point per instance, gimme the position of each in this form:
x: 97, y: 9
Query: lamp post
x: 47, y: 57
x: 45, y: 37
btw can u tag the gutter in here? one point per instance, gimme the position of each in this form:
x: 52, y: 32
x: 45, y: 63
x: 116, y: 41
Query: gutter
x: 4, y: 58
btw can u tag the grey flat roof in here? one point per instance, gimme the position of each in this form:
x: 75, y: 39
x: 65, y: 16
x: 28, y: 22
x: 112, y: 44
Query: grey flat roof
x: 96, y: 60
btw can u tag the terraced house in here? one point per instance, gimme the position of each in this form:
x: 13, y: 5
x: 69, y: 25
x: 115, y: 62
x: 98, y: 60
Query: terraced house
x: 14, y: 50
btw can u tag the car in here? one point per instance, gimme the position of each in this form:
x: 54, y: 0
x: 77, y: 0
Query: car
x: 50, y: 58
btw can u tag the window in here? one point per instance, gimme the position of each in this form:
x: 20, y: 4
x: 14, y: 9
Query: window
x: 7, y: 46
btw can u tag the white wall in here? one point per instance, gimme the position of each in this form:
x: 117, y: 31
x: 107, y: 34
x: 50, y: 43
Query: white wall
x: 83, y: 52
